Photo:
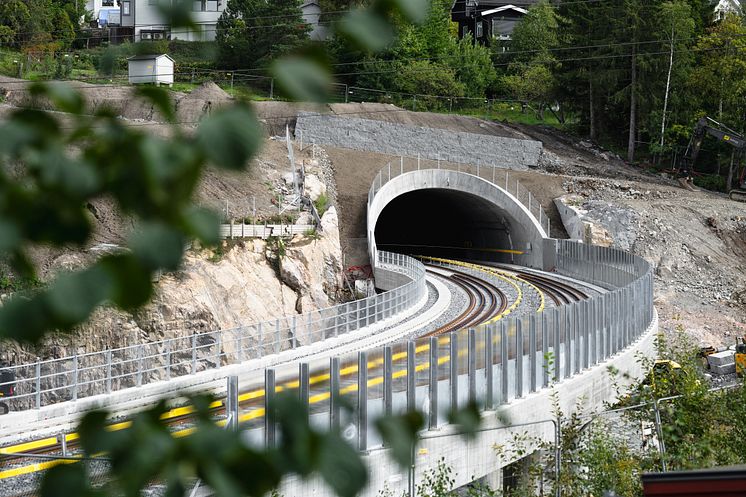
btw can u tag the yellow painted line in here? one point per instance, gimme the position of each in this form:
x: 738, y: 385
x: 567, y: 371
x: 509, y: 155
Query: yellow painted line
x: 33, y: 468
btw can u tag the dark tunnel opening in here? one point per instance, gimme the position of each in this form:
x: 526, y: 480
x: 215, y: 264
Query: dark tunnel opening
x: 445, y: 223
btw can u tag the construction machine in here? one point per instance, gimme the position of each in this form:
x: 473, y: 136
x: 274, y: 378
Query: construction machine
x: 709, y: 126
x: 740, y: 356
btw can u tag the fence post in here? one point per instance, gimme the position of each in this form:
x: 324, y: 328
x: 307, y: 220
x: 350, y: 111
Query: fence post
x: 518, y: 358
x: 334, y: 367
x: 504, y: 361
x: 362, y: 400
x: 472, y: 358
x: 75, y: 377
x: 108, y: 371
x: 532, y: 362
x: 489, y: 401
x: 453, y: 370
x: 38, y: 382
x: 411, y: 372
x: 388, y: 377
x: 304, y: 384
x: 433, y: 417
x: 168, y: 359
x: 269, y: 406
x: 231, y: 407
x: 277, y: 336
x: 194, y: 353
x: 139, y: 365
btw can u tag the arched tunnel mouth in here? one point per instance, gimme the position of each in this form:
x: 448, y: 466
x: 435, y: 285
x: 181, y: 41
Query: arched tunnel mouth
x: 446, y: 223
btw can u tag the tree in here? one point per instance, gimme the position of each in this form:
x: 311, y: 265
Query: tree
x: 15, y: 18
x: 530, y: 74
x: 252, y: 33
x: 722, y: 71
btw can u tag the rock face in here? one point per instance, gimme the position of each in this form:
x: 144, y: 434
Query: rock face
x: 597, y: 222
x: 245, y: 286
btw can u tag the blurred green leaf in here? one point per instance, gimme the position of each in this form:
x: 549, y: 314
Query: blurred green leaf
x: 158, y: 245
x: 367, y: 30
x: 203, y: 224
x: 400, y: 433
x: 26, y: 319
x: 467, y: 419
x: 414, y: 10
x: 74, y: 296
x: 302, y: 79
x: 160, y: 100
x: 179, y: 14
x: 66, y: 480
x: 62, y: 95
x: 341, y: 467
x: 133, y: 285
x: 229, y: 137
x: 10, y: 236
x: 94, y: 437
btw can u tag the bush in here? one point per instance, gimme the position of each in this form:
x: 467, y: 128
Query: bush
x: 321, y: 204
x: 710, y: 182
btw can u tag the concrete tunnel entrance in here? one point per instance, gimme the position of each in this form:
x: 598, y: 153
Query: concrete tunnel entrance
x: 446, y: 223
x: 453, y: 215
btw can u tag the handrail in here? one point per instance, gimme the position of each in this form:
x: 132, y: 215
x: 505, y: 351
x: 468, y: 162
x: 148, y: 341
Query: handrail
x: 105, y: 371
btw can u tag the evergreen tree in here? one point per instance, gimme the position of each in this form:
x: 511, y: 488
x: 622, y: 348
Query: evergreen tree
x: 251, y: 33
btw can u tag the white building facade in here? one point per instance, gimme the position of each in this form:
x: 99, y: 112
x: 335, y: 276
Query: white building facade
x: 149, y: 24
x: 725, y: 7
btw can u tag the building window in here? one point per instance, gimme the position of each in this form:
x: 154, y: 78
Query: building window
x: 107, y: 3
x: 126, y: 8
x: 480, y: 30
x: 155, y: 34
x: 205, y: 5
x: 464, y: 31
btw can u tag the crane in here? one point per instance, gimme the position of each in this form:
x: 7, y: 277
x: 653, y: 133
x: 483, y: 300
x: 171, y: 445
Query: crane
x: 709, y: 126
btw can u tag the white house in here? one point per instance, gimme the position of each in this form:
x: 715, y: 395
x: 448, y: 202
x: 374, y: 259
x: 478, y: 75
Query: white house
x: 148, y: 23
x: 726, y: 6
x: 155, y: 69
x: 312, y: 15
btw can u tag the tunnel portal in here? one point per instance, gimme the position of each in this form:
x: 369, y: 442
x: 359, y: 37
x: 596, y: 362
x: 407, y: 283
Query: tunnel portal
x: 452, y: 215
x: 445, y: 223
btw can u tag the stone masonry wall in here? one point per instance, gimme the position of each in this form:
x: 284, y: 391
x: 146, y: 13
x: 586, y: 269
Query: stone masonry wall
x: 429, y: 143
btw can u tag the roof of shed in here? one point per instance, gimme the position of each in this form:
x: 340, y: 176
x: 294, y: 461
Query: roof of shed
x: 150, y: 57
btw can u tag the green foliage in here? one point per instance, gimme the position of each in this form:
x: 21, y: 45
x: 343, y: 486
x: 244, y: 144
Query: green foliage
x: 154, y: 181
x: 321, y: 204
x: 249, y: 34
x: 217, y: 456
x: 711, y: 182
x: 437, y: 482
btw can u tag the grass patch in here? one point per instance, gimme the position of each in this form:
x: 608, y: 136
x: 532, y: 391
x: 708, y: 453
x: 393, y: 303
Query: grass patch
x: 321, y: 204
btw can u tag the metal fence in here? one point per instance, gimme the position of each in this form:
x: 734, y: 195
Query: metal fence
x: 264, y: 231
x: 497, y: 175
x: 493, y: 363
x: 47, y: 382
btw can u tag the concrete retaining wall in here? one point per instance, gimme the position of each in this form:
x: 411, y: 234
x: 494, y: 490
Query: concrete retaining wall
x: 429, y: 143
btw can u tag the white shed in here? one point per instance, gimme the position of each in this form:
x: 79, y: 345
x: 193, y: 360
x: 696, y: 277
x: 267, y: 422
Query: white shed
x: 157, y: 69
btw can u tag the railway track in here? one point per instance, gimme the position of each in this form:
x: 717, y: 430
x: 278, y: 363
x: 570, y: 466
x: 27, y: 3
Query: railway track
x: 487, y: 303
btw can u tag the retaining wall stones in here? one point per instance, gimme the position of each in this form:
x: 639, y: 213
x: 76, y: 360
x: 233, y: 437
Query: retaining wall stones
x: 429, y: 143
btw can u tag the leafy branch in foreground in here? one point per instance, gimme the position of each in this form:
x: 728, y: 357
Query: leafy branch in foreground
x: 68, y: 161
